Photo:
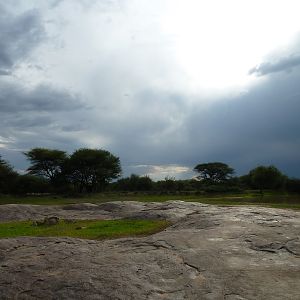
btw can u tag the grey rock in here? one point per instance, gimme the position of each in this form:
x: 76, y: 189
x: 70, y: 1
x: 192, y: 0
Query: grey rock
x: 81, y: 206
x: 48, y: 221
x: 209, y: 252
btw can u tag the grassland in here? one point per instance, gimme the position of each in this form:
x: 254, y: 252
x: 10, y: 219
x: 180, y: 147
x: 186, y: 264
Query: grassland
x: 87, y: 229
x: 269, y: 199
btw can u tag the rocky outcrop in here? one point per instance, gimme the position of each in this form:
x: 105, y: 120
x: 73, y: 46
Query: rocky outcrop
x: 209, y: 252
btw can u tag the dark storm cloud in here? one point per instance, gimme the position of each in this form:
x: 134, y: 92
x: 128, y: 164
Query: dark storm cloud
x: 153, y: 123
x: 21, y: 122
x: 38, y: 116
x: 18, y: 36
x: 259, y: 127
x: 282, y: 64
x: 30, y: 115
x: 15, y: 98
x: 74, y: 127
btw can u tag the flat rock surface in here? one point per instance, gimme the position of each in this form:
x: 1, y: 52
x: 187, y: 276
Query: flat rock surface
x: 210, y: 252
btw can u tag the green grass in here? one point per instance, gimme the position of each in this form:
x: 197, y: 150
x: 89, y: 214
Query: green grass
x: 270, y: 199
x: 87, y: 229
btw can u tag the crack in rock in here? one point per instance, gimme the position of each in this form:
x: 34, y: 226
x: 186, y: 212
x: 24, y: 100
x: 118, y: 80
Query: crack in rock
x: 292, y: 246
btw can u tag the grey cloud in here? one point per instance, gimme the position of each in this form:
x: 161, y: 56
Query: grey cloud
x: 18, y: 36
x: 259, y: 127
x: 20, y: 121
x: 39, y: 115
x: 144, y: 123
x: 75, y: 127
x: 142, y: 134
x: 4, y: 72
x: 283, y: 64
x: 16, y: 98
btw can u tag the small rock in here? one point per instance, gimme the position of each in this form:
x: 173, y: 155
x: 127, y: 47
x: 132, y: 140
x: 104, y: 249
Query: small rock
x: 47, y: 221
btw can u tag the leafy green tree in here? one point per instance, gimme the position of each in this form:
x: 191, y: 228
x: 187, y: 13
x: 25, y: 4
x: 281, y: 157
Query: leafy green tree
x: 25, y: 184
x: 245, y: 181
x: 214, y: 171
x: 293, y: 185
x: 47, y: 163
x: 134, y: 183
x: 170, y: 184
x: 266, y: 177
x: 91, y: 170
x: 7, y: 177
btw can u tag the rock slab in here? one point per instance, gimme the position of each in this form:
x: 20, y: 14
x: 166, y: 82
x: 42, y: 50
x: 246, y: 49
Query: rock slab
x: 210, y: 252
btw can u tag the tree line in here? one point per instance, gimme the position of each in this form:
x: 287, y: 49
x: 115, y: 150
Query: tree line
x: 96, y: 170
x: 85, y: 170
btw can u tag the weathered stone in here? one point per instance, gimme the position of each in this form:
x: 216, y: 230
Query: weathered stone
x: 51, y: 221
x: 210, y: 252
x: 48, y: 221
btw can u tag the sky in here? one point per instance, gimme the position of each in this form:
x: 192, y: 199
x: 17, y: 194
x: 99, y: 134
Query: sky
x: 162, y: 84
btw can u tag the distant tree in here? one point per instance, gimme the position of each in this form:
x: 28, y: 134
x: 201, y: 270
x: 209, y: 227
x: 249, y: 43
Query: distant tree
x: 245, y: 181
x: 293, y: 185
x: 145, y: 183
x: 215, y: 171
x: 7, y: 177
x: 91, y: 170
x: 47, y: 163
x: 134, y: 183
x: 266, y: 177
x: 169, y: 184
x: 25, y: 184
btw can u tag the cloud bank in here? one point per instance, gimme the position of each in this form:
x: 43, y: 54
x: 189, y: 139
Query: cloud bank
x: 116, y: 75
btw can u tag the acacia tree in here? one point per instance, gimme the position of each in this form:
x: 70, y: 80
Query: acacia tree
x: 91, y: 170
x: 268, y: 177
x: 47, y: 163
x: 214, y: 171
